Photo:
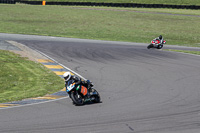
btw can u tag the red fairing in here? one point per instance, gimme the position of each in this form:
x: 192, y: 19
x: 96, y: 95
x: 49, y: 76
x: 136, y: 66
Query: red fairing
x: 164, y: 41
x: 152, y: 41
x: 157, y: 41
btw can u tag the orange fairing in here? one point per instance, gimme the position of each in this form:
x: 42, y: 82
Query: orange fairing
x: 83, y: 90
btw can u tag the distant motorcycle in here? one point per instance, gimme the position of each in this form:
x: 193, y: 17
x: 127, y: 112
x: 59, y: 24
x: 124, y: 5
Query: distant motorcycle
x: 81, y: 94
x: 156, y: 43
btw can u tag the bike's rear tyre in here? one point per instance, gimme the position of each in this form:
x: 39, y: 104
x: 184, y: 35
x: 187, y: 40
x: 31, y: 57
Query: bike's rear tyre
x: 97, y: 98
x: 160, y: 46
x: 77, y: 98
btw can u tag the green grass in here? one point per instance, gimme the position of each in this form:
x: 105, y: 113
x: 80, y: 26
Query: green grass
x: 184, y: 51
x: 173, y: 2
x: 102, y: 23
x: 21, y: 78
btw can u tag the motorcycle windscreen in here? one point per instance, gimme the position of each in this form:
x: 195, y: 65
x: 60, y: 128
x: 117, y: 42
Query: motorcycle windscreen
x: 84, y: 90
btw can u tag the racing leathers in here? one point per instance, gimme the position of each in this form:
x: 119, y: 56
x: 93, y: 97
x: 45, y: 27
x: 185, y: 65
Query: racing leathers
x: 161, y: 39
x: 72, y: 80
x: 77, y: 81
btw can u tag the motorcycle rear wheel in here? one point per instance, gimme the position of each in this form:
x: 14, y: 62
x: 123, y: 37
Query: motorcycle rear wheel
x: 77, y: 98
x: 160, y: 46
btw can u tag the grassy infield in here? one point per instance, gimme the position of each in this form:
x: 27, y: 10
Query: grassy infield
x: 173, y: 2
x: 21, y: 78
x: 101, y: 24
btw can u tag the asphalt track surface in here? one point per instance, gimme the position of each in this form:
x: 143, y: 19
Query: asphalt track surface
x: 143, y: 91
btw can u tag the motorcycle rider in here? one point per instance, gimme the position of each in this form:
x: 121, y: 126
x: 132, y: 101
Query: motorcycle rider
x: 157, y: 43
x: 71, y: 79
x: 161, y: 39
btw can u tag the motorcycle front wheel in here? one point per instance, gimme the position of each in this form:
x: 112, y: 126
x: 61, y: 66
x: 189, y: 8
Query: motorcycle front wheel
x: 96, y: 96
x: 77, y: 98
x: 149, y: 46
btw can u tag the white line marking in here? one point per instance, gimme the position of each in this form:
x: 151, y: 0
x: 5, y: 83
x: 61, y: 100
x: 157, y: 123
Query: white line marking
x: 61, y: 64
x: 34, y: 103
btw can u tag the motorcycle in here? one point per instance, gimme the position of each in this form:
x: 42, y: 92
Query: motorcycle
x: 155, y: 43
x: 80, y: 94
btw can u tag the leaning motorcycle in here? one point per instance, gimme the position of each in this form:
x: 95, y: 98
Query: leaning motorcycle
x: 80, y: 94
x: 155, y: 43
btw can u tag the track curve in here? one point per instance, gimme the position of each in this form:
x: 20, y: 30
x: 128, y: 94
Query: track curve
x: 142, y: 90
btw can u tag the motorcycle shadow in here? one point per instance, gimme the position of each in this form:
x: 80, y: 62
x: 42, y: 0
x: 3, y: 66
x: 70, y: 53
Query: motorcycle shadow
x: 87, y: 103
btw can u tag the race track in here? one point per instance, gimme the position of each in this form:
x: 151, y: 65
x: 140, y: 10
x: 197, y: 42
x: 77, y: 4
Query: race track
x: 143, y: 91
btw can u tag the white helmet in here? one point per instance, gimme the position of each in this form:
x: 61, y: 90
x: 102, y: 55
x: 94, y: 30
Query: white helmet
x: 67, y: 76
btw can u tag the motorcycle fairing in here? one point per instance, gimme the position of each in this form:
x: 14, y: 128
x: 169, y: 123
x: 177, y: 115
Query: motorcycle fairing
x: 84, y: 90
x: 70, y: 87
x: 155, y: 41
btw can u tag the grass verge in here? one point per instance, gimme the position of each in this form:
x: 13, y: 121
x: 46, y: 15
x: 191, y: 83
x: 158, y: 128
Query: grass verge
x: 21, y: 78
x: 184, y: 51
x: 172, y: 2
x: 102, y: 23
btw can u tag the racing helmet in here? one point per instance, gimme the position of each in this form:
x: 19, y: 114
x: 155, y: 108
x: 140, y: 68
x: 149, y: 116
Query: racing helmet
x: 160, y: 37
x: 67, y: 76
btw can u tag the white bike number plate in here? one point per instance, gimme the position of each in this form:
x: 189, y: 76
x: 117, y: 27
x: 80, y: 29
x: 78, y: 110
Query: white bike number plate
x: 69, y: 88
